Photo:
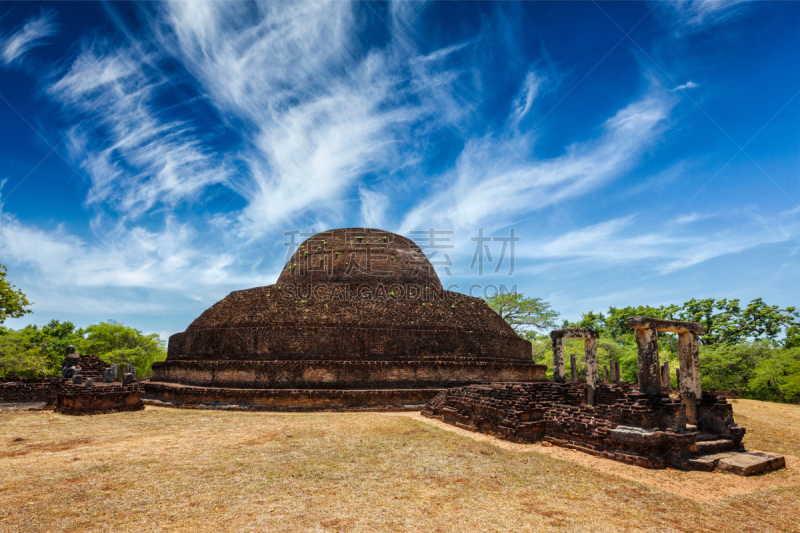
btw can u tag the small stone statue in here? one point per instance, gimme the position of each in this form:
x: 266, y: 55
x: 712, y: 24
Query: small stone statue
x: 70, y: 365
x: 108, y: 376
x: 127, y: 379
x: 114, y: 369
x: 77, y: 379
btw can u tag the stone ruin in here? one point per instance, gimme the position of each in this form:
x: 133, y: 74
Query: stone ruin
x: 357, y: 319
x: 641, y: 425
x: 87, y: 386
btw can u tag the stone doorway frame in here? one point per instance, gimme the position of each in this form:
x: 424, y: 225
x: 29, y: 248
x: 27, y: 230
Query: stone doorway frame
x: 650, y: 379
x: 590, y: 350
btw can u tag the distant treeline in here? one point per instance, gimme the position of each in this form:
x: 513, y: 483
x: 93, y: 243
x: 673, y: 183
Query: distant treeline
x: 752, y: 350
x: 36, y: 352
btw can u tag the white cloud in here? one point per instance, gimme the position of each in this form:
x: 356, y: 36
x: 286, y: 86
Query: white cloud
x: 32, y: 34
x: 490, y: 183
x: 527, y: 94
x: 696, y: 13
x: 373, y: 207
x: 620, y: 241
x: 121, y: 258
x: 687, y: 85
x: 135, y: 157
x: 318, y: 113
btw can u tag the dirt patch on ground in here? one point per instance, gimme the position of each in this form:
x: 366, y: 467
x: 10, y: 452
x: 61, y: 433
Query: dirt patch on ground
x: 19, y: 446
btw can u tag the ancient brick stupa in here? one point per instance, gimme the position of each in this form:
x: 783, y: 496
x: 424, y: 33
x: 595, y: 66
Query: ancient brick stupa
x: 358, y: 318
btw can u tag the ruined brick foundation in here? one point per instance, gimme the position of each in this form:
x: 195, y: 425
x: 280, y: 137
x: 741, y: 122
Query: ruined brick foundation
x: 74, y: 399
x: 625, y: 425
x: 99, y: 399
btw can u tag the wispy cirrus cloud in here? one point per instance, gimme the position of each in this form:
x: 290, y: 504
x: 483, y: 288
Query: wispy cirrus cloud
x: 490, y: 182
x: 136, y: 156
x: 669, y: 249
x: 697, y: 13
x: 319, y: 112
x: 33, y: 33
x: 124, y: 258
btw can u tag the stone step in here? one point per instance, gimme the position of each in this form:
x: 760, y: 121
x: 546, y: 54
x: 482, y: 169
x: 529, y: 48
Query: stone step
x: 705, y: 436
x: 711, y: 446
x: 740, y: 463
x: 752, y: 462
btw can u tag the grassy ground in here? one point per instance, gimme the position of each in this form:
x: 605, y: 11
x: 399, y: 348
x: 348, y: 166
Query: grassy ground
x: 178, y: 470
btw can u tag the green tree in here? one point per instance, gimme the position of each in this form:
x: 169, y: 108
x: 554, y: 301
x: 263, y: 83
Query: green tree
x: 617, y: 326
x: 725, y: 321
x: 777, y: 376
x: 13, y: 302
x: 523, y: 314
x: 33, y: 351
x: 114, y: 342
x: 21, y: 356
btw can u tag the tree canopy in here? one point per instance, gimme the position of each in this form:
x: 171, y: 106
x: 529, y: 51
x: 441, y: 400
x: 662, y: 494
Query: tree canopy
x: 35, y: 351
x: 724, y: 321
x: 13, y: 302
x: 523, y: 314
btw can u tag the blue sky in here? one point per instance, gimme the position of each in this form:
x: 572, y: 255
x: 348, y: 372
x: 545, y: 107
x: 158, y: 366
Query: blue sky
x: 153, y: 154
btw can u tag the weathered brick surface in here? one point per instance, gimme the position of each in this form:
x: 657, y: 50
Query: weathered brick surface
x: 627, y: 425
x: 342, y: 374
x: 321, y: 329
x: 17, y: 390
x: 290, y: 399
x: 102, y: 398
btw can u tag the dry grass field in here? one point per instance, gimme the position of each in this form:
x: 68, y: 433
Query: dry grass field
x: 182, y: 470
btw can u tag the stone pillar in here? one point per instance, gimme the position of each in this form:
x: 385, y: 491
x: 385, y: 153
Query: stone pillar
x: 678, y: 377
x: 689, y: 357
x: 573, y: 366
x: 590, y: 348
x: 605, y: 375
x: 665, y: 384
x: 612, y: 370
x: 649, y: 367
x: 619, y: 373
x: 558, y: 360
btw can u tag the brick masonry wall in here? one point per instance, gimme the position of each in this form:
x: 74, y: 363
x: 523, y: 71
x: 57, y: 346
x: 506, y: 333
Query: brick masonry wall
x: 341, y: 374
x: 640, y: 429
x: 609, y: 394
x: 103, y: 398
x: 19, y: 390
x: 344, y: 343
x: 291, y: 399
